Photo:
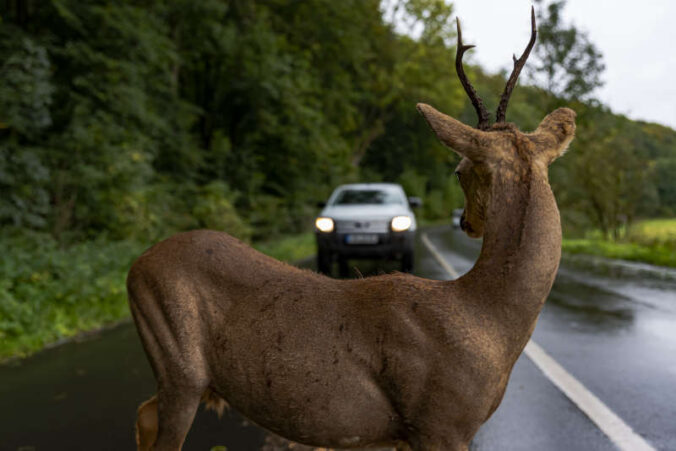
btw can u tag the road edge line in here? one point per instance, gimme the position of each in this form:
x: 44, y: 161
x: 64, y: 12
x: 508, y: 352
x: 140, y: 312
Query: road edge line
x: 619, y: 432
x: 437, y: 256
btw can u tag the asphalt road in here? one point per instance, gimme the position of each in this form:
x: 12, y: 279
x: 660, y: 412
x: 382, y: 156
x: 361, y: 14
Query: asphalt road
x: 611, y: 326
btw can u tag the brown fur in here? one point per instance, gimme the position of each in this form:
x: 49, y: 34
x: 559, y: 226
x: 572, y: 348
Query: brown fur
x: 389, y: 360
x: 146, y: 424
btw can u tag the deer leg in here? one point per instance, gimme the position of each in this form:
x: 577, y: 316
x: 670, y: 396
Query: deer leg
x: 178, y: 364
x: 146, y: 424
x: 176, y: 410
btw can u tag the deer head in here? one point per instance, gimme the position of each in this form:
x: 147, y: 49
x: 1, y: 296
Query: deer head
x: 497, y: 154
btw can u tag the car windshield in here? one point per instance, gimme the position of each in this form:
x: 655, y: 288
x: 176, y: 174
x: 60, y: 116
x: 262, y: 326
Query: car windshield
x: 367, y: 196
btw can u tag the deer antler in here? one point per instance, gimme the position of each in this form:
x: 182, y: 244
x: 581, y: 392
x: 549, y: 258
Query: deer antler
x: 518, y: 65
x: 469, y: 89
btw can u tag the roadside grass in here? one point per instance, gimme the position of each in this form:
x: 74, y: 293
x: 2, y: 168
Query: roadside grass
x: 650, y: 241
x: 289, y: 248
x: 50, y: 293
x: 654, y: 232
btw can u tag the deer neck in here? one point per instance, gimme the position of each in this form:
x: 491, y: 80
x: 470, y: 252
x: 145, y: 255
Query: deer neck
x: 520, y: 253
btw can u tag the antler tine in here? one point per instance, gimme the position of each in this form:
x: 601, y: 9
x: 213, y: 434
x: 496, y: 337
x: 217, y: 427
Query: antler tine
x: 479, y: 106
x: 518, y: 65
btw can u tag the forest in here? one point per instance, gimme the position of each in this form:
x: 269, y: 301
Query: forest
x: 124, y: 122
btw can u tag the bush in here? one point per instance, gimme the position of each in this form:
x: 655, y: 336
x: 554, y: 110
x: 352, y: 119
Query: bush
x: 654, y: 232
x: 213, y: 210
x: 289, y: 248
x: 49, y: 292
x: 160, y: 210
x: 656, y: 255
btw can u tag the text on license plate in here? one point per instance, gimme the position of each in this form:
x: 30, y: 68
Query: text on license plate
x: 361, y: 238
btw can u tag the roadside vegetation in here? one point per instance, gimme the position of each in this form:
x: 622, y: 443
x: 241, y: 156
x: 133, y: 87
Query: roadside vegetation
x: 50, y: 292
x: 290, y: 248
x: 649, y: 241
x: 124, y: 122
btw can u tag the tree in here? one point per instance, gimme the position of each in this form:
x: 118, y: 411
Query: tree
x: 25, y: 97
x: 605, y: 177
x: 567, y: 64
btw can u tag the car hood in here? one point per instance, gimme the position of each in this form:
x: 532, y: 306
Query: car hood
x: 359, y: 212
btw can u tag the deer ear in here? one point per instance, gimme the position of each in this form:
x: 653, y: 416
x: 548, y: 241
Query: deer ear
x: 555, y: 133
x: 463, y: 139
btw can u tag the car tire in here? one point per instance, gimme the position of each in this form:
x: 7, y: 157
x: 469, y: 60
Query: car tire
x: 343, y: 268
x: 324, y: 262
x: 407, y: 261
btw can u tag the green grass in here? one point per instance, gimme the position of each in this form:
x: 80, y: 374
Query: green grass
x: 656, y: 255
x: 49, y: 293
x: 654, y: 232
x: 289, y: 248
x: 651, y: 241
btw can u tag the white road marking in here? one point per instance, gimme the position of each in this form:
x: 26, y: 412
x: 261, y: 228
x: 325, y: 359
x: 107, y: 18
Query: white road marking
x: 437, y: 256
x: 619, y: 432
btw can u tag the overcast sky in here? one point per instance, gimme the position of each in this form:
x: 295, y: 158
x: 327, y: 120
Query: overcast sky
x: 637, y: 39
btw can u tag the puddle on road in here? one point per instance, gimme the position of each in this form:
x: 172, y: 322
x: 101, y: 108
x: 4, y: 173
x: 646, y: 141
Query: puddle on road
x: 589, y: 309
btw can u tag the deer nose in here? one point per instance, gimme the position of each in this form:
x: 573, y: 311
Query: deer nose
x: 464, y: 225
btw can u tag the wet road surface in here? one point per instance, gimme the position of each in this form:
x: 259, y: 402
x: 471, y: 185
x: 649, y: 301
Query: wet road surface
x: 611, y: 325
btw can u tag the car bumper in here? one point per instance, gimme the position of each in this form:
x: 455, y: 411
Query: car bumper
x: 389, y: 245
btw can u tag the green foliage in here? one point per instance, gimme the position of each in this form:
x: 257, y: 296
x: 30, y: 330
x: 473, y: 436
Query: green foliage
x: 125, y: 122
x: 440, y: 201
x: 48, y: 293
x: 654, y: 232
x: 24, y: 198
x: 665, y: 168
x: 656, y: 255
x: 213, y: 210
x: 605, y: 176
x: 138, y: 120
x: 290, y: 248
x: 26, y: 91
x: 568, y: 64
x: 651, y: 241
x: 25, y: 98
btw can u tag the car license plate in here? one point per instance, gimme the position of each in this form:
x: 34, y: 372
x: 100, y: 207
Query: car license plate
x: 361, y: 238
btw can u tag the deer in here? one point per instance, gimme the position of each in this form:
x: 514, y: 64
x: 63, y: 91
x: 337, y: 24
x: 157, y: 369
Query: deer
x: 392, y: 360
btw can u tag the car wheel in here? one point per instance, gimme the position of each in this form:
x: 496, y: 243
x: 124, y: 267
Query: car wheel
x: 324, y: 261
x: 343, y: 268
x: 407, y: 261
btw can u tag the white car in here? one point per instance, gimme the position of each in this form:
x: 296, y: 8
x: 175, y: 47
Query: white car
x: 366, y: 220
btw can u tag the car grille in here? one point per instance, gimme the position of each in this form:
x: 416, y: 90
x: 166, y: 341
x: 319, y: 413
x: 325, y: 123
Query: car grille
x: 365, y: 226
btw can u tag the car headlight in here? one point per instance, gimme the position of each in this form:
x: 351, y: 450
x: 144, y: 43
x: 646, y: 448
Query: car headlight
x: 401, y: 223
x: 324, y: 224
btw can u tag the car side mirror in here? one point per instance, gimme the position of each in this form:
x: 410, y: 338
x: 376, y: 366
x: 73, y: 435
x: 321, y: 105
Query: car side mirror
x: 414, y: 202
x: 321, y: 204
